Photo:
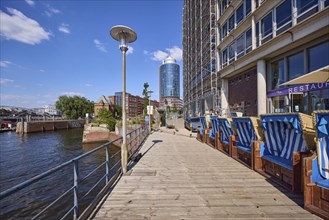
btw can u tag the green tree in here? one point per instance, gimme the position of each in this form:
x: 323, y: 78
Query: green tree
x: 168, y: 109
x: 106, y: 117
x: 117, y: 110
x: 146, y: 98
x: 174, y: 108
x: 74, y: 107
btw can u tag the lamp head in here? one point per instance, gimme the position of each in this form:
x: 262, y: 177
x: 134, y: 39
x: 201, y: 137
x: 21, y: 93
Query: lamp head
x: 124, y: 35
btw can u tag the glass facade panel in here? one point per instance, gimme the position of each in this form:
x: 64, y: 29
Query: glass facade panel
x: 224, y: 30
x: 231, y: 23
x: 283, y: 13
x: 239, y: 14
x: 169, y: 80
x: 295, y: 65
x: 326, y: 3
x: 224, y: 58
x: 240, y: 45
x: 304, y: 5
x: 267, y: 25
x: 248, y: 41
x: 231, y: 52
x: 248, y: 6
x: 278, y: 75
x: 318, y: 56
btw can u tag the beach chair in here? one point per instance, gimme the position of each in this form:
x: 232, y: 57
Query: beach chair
x: 248, y: 131
x: 212, y: 132
x: 316, y: 174
x: 288, y: 138
x: 203, y: 131
x: 223, y: 137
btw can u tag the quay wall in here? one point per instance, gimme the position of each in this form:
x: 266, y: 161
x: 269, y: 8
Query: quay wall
x: 41, y: 126
x: 94, y: 133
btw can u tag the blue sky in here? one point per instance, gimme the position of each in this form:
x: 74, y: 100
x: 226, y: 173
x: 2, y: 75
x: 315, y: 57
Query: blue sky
x: 54, y: 48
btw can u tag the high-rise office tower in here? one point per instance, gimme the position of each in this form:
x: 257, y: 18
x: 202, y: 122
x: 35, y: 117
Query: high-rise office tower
x: 200, y: 81
x: 169, y: 82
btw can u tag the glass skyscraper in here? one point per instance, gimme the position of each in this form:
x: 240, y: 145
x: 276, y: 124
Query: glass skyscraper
x: 169, y: 81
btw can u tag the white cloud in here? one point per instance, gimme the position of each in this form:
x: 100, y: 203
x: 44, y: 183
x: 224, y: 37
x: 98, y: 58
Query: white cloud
x: 5, y: 81
x: 30, y: 2
x: 174, y: 52
x: 145, y: 52
x: 5, y: 63
x: 18, y: 98
x: 41, y: 70
x: 64, y: 28
x: 159, y: 55
x: 72, y: 94
x: 100, y: 46
x: 89, y: 85
x: 130, y: 50
x: 16, y: 26
x: 50, y: 11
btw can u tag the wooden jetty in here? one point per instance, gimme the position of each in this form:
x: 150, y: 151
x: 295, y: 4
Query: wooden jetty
x: 180, y: 178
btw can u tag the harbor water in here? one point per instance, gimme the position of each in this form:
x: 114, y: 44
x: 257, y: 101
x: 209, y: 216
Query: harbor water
x: 25, y: 156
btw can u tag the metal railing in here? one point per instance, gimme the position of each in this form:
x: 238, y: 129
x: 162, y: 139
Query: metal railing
x: 134, y: 140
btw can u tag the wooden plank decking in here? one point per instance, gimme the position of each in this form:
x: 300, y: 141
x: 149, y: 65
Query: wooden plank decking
x: 181, y: 178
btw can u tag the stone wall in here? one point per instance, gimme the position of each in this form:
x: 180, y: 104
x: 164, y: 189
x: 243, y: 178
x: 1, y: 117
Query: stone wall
x: 41, y: 126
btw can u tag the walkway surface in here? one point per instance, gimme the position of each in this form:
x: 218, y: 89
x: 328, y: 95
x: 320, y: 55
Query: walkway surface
x: 180, y: 178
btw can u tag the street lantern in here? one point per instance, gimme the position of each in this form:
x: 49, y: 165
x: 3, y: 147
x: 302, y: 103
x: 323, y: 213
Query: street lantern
x: 124, y: 35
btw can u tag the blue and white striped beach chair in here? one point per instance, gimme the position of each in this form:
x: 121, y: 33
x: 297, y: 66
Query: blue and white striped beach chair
x: 214, y: 129
x: 223, y: 138
x: 202, y: 131
x: 247, y: 132
x: 286, y: 143
x: 316, y: 176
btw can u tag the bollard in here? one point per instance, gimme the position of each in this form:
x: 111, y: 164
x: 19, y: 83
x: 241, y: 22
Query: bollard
x: 190, y: 129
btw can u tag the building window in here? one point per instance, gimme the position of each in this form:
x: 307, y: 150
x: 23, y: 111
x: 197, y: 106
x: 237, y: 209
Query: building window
x: 224, y: 58
x: 283, y: 16
x: 277, y: 73
x: 257, y: 35
x: 295, y: 65
x: 326, y: 3
x: 248, y: 41
x: 266, y: 27
x: 306, y: 8
x: 239, y: 14
x: 231, y: 23
x: 240, y: 47
x: 224, y: 30
x: 248, y: 6
x: 231, y: 52
x: 318, y: 56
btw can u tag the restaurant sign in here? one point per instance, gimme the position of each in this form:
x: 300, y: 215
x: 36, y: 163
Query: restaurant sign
x: 298, y: 89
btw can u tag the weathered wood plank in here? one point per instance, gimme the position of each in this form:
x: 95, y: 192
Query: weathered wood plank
x: 181, y: 178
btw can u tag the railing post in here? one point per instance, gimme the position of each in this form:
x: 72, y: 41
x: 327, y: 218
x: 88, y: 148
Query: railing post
x: 107, y: 164
x: 75, y: 190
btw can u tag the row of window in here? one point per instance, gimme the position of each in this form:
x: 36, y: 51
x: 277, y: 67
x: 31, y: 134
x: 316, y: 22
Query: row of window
x: 275, y: 22
x: 293, y: 66
x: 237, y: 48
x: 240, y: 13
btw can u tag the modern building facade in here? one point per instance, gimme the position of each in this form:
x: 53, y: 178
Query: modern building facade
x: 263, y: 44
x: 260, y: 44
x: 201, y: 85
x: 134, y: 104
x: 169, y: 82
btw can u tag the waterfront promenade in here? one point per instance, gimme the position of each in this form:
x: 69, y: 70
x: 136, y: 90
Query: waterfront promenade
x: 181, y: 178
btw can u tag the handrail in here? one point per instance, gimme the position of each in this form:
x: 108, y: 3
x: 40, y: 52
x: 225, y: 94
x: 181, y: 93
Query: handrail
x: 139, y: 134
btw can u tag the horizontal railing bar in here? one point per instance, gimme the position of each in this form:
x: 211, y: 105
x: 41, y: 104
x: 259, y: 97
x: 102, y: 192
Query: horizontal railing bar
x: 67, y: 213
x: 115, y: 154
x: 51, y: 204
x: 92, y: 188
x: 93, y: 171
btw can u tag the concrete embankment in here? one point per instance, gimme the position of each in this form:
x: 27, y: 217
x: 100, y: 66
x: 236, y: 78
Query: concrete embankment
x: 41, y: 126
x: 94, y: 133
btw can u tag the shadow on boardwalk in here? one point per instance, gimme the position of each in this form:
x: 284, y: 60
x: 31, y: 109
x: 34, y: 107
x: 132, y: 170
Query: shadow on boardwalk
x: 180, y: 178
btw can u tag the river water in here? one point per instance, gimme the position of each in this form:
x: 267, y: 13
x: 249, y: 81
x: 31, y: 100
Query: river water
x: 24, y: 156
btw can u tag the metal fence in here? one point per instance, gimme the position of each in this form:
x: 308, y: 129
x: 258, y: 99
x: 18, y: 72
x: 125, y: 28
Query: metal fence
x: 95, y: 193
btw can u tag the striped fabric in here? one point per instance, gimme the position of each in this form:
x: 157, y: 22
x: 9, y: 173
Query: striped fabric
x: 225, y: 128
x: 283, y: 135
x: 322, y: 129
x: 214, y: 127
x: 204, y: 125
x: 245, y: 131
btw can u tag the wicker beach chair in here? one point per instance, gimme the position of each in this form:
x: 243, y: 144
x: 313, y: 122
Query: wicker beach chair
x: 316, y: 174
x: 288, y: 139
x: 202, y: 132
x: 212, y: 132
x: 248, y: 131
x: 223, y: 137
